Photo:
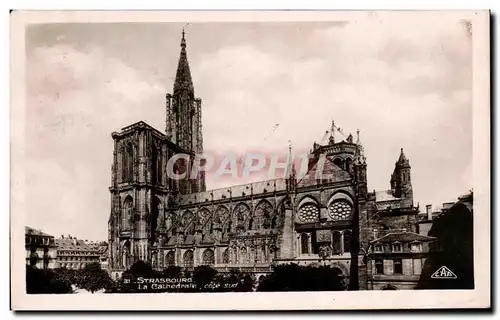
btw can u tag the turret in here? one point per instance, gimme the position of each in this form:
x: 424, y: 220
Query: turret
x: 401, y: 181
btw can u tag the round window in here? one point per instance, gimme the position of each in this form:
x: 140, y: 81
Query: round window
x: 309, y: 213
x: 340, y: 210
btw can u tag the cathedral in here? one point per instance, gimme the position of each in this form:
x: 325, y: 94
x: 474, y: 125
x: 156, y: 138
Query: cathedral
x: 330, y: 219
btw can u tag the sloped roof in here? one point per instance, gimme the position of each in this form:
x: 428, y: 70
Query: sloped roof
x: 385, y: 195
x: 403, y: 237
x: 189, y: 239
x: 34, y: 232
x: 73, y: 244
x: 172, y: 241
x: 330, y: 170
x: 209, y: 238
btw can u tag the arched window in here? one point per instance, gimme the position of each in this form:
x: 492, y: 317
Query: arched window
x: 206, y: 222
x: 171, y: 224
x: 221, y: 214
x: 125, y: 255
x: 242, y: 214
x: 243, y: 255
x: 154, y: 261
x: 188, y: 222
x: 258, y: 254
x: 188, y: 259
x: 263, y: 213
x: 348, y: 165
x: 347, y: 241
x: 170, y: 259
x: 226, y: 228
x: 208, y: 257
x: 127, y: 213
x: 157, y: 216
x: 235, y: 254
x: 337, y: 242
x: 304, y: 243
x: 309, y: 213
x: 128, y: 162
x: 157, y: 165
x: 225, y: 257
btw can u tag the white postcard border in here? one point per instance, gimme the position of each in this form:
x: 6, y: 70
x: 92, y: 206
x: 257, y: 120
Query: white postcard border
x: 435, y: 299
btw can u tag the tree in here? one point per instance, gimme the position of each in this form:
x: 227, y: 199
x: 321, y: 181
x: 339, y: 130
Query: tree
x: 139, y: 269
x: 172, y: 271
x: 45, y: 281
x: 203, y: 276
x: 292, y: 277
x: 92, y: 278
x: 246, y: 283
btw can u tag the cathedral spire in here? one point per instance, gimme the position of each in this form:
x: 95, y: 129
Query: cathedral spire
x: 402, y: 161
x: 402, y: 157
x: 183, y: 82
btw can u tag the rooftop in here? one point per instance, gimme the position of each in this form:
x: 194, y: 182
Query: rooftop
x: 267, y: 186
x: 34, y: 232
x: 404, y: 236
x: 73, y: 244
x: 385, y: 195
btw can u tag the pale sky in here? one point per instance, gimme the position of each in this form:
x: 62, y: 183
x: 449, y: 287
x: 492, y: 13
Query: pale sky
x: 404, y: 85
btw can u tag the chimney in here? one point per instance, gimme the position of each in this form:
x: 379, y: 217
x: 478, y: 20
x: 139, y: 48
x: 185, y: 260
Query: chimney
x: 429, y: 211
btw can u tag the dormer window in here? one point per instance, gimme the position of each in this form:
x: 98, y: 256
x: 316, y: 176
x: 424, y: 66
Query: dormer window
x: 416, y: 247
x: 396, y: 247
x: 377, y: 248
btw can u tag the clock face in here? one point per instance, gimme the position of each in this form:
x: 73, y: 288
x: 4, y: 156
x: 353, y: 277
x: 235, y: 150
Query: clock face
x: 309, y: 213
x: 340, y: 210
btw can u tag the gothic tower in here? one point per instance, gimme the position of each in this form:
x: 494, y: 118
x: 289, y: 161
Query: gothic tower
x: 183, y: 119
x: 362, y: 228
x: 401, y: 181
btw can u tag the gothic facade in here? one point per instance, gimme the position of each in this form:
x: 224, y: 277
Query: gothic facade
x: 328, y: 219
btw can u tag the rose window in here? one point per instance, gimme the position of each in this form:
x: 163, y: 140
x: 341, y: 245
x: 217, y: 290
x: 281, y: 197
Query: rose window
x: 340, y: 210
x: 309, y: 213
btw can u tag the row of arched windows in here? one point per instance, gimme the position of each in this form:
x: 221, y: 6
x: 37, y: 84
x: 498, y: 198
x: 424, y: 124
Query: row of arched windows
x: 264, y: 217
x: 208, y: 258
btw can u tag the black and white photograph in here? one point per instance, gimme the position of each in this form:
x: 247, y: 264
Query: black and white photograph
x: 240, y: 155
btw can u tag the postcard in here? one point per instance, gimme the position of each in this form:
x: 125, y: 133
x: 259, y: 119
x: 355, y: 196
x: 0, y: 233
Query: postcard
x: 250, y: 160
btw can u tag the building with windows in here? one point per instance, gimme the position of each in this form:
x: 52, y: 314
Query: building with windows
x: 396, y: 260
x: 101, y: 247
x: 326, y: 217
x: 40, y: 249
x: 454, y: 248
x: 73, y: 253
